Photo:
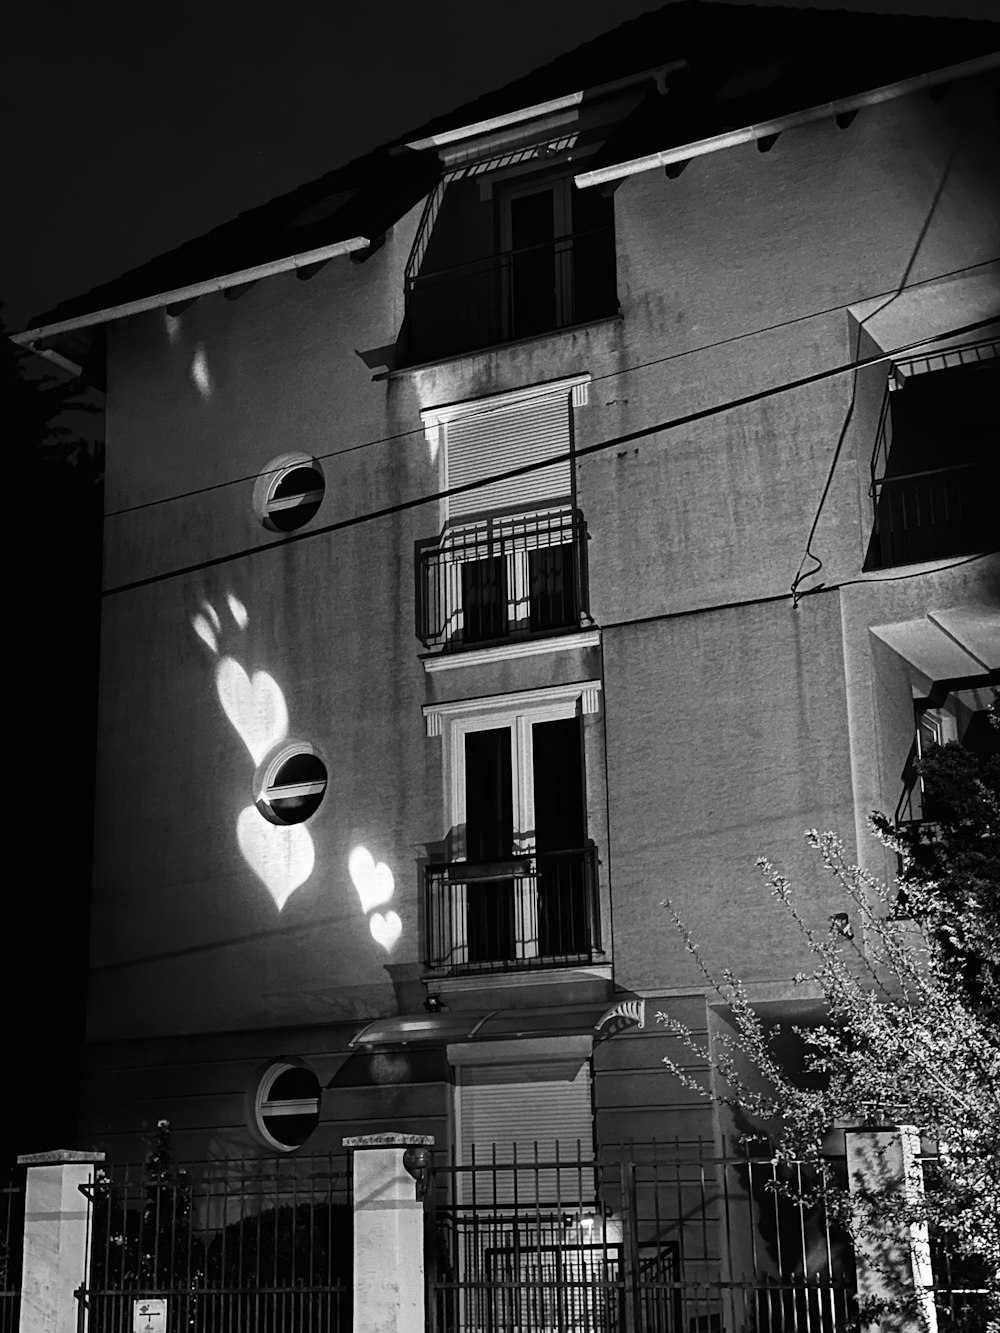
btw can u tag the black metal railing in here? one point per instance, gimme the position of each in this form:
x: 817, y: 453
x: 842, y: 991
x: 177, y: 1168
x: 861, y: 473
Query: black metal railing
x: 511, y: 294
x: 539, y: 910
x: 923, y: 511
x: 261, y: 1244
x: 510, y: 576
x: 11, y: 1234
x: 932, y: 514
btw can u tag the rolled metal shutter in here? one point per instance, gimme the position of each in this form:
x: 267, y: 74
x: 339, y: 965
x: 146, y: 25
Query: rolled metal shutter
x: 482, y: 443
x: 530, y: 1113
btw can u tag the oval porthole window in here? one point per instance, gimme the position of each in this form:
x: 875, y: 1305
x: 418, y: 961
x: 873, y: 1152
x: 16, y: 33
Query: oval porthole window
x: 286, y: 1105
x: 289, y: 493
x: 292, y: 785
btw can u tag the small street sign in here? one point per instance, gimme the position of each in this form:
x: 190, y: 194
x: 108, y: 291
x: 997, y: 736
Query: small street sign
x: 149, y: 1315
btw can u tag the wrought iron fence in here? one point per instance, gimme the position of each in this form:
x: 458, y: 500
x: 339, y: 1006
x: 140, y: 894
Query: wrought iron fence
x: 533, y: 911
x: 652, y: 1239
x: 254, y: 1245
x: 11, y: 1234
x: 511, y: 294
x: 508, y: 576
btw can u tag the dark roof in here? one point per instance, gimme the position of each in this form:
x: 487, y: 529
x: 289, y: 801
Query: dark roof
x: 745, y: 63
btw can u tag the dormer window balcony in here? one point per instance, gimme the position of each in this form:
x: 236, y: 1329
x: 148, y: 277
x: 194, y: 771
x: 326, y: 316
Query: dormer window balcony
x: 532, y: 258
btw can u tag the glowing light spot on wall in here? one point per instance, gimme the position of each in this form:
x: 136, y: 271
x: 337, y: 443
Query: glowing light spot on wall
x: 172, y: 323
x: 374, y: 883
x: 281, y: 856
x: 199, y: 373
x: 254, y: 705
x: 386, y: 930
x: 375, y: 886
x: 205, y: 631
x: 237, y: 610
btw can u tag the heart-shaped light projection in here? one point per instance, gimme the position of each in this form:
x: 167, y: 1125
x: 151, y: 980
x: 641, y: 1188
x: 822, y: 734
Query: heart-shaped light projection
x: 282, y: 856
x: 254, y: 705
x: 386, y: 930
x: 374, y: 883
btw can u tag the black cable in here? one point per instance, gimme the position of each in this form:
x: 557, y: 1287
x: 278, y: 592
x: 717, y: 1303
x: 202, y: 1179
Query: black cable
x: 784, y: 596
x: 671, y: 424
x: 595, y: 379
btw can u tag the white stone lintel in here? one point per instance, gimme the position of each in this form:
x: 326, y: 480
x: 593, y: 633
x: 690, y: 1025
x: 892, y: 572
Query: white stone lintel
x: 588, y: 693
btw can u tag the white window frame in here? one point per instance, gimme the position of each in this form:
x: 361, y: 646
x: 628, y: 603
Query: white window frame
x: 519, y: 713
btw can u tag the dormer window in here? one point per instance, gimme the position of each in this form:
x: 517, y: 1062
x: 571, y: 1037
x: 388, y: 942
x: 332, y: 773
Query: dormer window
x: 510, y: 256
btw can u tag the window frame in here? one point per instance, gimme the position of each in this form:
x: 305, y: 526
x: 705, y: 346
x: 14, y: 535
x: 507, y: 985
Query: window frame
x: 519, y: 712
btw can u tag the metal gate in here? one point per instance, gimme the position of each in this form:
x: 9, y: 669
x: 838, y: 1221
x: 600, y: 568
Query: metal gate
x: 659, y: 1238
x: 249, y: 1245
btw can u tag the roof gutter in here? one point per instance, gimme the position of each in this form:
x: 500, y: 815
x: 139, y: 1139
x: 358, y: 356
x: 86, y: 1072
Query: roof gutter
x: 304, y: 260
x: 766, y: 129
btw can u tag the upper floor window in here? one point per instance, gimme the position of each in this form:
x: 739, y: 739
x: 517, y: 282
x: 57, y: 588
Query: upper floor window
x: 509, y: 562
x: 936, y: 462
x: 520, y: 889
x: 509, y: 258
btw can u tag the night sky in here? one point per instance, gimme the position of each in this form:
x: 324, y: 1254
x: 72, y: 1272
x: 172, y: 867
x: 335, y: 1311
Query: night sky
x: 134, y: 125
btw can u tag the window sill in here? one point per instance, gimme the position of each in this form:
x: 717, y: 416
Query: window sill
x: 445, y: 984
x: 507, y: 652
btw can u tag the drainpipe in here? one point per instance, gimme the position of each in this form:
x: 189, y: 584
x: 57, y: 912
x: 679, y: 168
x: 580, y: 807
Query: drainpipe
x: 768, y: 128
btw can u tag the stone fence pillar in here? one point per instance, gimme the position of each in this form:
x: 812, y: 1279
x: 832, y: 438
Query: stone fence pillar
x: 894, y: 1263
x: 56, y: 1225
x: 388, y: 1235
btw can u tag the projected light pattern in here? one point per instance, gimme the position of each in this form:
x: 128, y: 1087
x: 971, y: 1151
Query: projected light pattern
x: 200, y: 377
x: 282, y: 856
x: 375, y: 886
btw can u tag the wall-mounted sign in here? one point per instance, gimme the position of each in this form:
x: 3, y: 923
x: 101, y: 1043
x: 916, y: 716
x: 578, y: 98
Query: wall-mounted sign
x: 149, y: 1315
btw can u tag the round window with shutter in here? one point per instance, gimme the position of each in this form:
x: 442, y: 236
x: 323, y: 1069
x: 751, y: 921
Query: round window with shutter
x: 289, y: 492
x: 286, y: 1105
x: 290, y: 786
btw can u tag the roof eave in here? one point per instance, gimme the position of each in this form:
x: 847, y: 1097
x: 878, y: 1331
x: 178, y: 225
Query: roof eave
x: 154, y: 301
x: 765, y: 129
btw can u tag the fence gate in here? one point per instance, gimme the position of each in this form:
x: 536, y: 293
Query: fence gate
x: 647, y: 1239
x: 251, y: 1246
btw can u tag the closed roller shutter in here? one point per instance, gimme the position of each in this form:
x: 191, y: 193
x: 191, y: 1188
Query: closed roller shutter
x: 481, y: 444
x: 527, y: 1113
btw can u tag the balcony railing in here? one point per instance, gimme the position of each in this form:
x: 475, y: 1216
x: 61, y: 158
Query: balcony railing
x: 932, y: 514
x: 539, y: 910
x: 511, y: 294
x: 510, y: 576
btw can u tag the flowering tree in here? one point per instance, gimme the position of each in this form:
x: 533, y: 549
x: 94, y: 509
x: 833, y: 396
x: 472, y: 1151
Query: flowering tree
x: 909, y: 1037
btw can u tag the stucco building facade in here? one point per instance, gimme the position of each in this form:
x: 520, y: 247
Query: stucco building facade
x: 400, y: 754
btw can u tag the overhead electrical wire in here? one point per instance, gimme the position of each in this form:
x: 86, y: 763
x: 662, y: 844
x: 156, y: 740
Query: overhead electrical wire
x: 660, y: 427
x: 594, y: 379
